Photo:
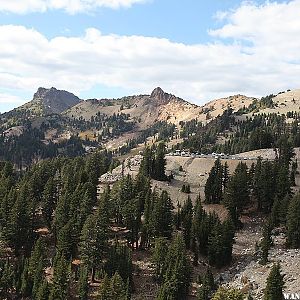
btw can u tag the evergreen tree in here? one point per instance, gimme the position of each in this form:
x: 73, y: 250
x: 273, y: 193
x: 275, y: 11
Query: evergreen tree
x: 83, y: 288
x: 187, y: 217
x: 283, y: 184
x: 237, y: 193
x: 49, y: 198
x: 285, y: 151
x: 105, y: 292
x: 64, y: 240
x: 207, y: 287
x: 94, y: 237
x: 43, y: 291
x: 60, y: 285
x: 266, y: 243
x: 159, y: 256
x: 118, y: 288
x: 225, y: 175
x: 159, y: 163
x: 220, y: 243
x: 275, y: 284
x: 146, y: 167
x: 214, y: 184
x: 38, y: 278
x: 19, y: 232
x: 26, y: 282
x: 161, y: 217
x: 119, y: 261
x: 293, y: 223
x: 176, y: 272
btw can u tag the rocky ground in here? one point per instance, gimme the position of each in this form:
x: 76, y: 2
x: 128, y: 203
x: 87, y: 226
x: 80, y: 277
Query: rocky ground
x: 245, y: 272
x: 249, y: 275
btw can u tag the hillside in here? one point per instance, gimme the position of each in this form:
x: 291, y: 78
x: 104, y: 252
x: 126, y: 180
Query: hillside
x: 184, y: 206
x: 54, y: 116
x: 44, y: 102
x: 158, y: 106
x: 284, y: 102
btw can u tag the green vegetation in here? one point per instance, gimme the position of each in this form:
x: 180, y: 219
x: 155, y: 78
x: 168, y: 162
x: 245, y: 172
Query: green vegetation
x: 275, y: 284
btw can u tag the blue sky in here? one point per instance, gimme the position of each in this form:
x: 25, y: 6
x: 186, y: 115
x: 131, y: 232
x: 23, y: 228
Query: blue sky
x: 231, y: 43
x: 180, y: 21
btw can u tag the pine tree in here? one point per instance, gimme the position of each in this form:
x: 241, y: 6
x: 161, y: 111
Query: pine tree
x: 283, y: 184
x: 176, y: 271
x: 275, y: 284
x: 220, y: 243
x: 146, y: 167
x: 196, y: 228
x: 293, y: 223
x: 83, y: 283
x: 160, y: 163
x: 105, y: 292
x: 257, y: 184
x: 237, y: 195
x: 293, y: 173
x: 94, y: 237
x: 43, y: 291
x: 119, y: 261
x: 60, y: 285
x: 187, y: 217
x: 38, y: 278
x: 208, y: 286
x: 159, y: 256
x: 26, y: 282
x: 7, y: 278
x: 162, y: 217
x: 118, y: 288
x: 49, y: 198
x: 285, y: 151
x: 214, y: 184
x: 64, y: 240
x: 132, y: 219
x: 20, y: 231
x: 225, y: 175
x: 266, y: 243
x: 275, y: 213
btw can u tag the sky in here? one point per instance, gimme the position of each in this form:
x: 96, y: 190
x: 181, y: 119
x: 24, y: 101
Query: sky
x: 198, y: 50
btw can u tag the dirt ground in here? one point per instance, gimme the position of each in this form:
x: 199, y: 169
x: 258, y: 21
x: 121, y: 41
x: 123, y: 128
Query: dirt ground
x: 245, y: 272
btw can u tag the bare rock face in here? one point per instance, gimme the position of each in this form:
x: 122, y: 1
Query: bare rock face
x: 161, y: 97
x: 55, y: 101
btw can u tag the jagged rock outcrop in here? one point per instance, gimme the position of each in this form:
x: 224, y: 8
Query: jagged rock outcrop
x: 161, y: 97
x: 53, y: 100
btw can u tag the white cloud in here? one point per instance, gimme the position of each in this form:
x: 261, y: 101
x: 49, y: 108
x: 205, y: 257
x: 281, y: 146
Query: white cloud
x: 260, y: 57
x: 70, y: 6
x: 10, y: 99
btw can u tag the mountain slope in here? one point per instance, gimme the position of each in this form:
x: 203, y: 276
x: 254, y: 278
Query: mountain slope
x: 158, y: 106
x: 284, y: 102
x: 49, y: 101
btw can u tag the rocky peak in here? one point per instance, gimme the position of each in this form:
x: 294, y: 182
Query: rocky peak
x: 55, y: 101
x: 160, y: 96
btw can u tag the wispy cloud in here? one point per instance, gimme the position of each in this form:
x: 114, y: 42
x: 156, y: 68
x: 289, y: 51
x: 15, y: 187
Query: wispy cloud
x: 70, y: 6
x: 255, y: 52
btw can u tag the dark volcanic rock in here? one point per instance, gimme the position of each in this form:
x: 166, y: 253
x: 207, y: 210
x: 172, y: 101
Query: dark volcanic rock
x: 55, y: 101
x: 161, y: 97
